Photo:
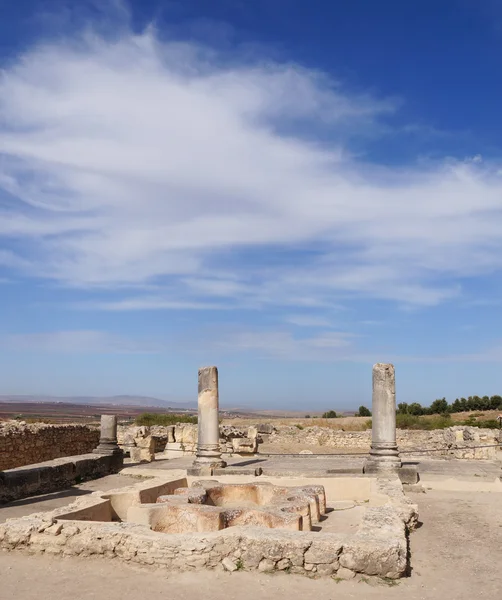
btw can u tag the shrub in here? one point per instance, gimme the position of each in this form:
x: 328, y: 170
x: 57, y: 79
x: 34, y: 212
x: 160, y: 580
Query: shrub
x: 331, y: 414
x: 407, y: 421
x: 487, y: 424
x: 364, y: 412
x: 164, y: 419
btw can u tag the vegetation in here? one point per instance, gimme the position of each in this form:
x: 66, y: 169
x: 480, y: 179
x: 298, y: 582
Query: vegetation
x: 364, y: 412
x: 331, y: 414
x: 441, y: 406
x: 164, y: 419
x: 409, y: 421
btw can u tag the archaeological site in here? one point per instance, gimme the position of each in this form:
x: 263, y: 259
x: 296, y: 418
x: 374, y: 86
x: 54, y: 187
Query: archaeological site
x: 225, y: 498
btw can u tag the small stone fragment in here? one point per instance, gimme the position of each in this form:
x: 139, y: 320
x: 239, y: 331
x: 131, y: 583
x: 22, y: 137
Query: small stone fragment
x: 266, y: 565
x: 344, y: 573
x: 283, y: 564
x: 229, y: 565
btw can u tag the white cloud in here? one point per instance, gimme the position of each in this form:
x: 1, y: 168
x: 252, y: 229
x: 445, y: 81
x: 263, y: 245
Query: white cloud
x: 132, y: 161
x: 78, y: 342
x: 307, y: 321
x: 283, y: 345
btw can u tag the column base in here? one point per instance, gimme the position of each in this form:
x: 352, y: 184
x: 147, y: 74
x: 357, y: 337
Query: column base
x: 205, y: 465
x: 108, y: 449
x: 382, y: 465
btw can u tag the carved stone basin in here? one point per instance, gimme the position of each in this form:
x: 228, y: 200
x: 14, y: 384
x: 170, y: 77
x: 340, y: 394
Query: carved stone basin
x: 211, y: 506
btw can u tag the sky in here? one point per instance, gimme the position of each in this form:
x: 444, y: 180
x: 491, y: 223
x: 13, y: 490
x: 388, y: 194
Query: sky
x: 292, y: 191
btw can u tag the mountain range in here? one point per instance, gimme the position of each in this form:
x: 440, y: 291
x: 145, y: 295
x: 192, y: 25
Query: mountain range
x: 125, y: 400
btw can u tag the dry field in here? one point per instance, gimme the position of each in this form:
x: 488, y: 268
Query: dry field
x: 341, y: 423
x: 350, y: 423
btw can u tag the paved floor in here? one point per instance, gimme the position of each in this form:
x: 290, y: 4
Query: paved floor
x: 456, y: 555
x: 322, y: 465
x: 433, y: 473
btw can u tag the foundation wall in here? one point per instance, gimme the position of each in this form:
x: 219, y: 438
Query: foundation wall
x: 55, y: 475
x: 378, y: 547
x: 25, y: 444
x: 456, y: 442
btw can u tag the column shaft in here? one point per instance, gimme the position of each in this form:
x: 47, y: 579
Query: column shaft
x: 208, y: 442
x: 383, y: 433
x: 108, y: 436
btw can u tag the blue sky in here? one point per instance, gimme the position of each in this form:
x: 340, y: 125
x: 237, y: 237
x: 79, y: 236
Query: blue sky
x: 290, y: 190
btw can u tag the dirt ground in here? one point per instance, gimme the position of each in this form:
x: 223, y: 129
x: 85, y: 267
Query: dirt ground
x: 456, y: 554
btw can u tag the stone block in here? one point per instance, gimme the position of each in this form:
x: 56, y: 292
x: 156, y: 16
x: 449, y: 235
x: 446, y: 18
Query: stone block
x: 408, y: 474
x: 244, y: 445
x: 266, y: 428
x: 229, y: 565
x: 344, y: 573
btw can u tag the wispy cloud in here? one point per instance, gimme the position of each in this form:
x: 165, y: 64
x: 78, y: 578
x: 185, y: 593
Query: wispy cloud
x: 284, y: 345
x: 307, y: 321
x: 135, y: 161
x: 78, y: 342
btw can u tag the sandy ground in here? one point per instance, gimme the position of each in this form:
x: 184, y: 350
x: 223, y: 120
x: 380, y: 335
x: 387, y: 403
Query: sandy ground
x: 456, y: 554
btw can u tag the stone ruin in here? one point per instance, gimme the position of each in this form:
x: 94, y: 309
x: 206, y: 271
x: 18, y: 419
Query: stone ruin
x: 250, y: 526
x: 199, y: 521
x: 211, y: 506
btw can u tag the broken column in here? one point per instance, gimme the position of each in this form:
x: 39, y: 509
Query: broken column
x: 108, y: 436
x: 384, y: 454
x: 208, y: 441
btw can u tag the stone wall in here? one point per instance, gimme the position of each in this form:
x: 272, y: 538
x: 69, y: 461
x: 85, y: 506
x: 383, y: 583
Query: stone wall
x: 55, y: 475
x: 456, y: 442
x: 377, y: 547
x: 26, y: 444
x: 184, y: 434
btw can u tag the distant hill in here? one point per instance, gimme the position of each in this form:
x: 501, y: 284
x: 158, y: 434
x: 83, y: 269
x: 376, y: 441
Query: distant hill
x: 140, y: 401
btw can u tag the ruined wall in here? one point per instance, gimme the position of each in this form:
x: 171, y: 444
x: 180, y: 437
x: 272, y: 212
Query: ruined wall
x: 456, y: 442
x: 26, y: 444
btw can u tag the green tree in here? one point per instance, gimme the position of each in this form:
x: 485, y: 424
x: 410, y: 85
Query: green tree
x: 402, y: 408
x: 415, y: 409
x: 331, y: 414
x: 495, y: 402
x: 439, y: 406
x: 364, y: 412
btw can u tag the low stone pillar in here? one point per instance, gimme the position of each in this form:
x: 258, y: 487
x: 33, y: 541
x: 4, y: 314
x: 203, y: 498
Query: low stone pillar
x: 208, y: 442
x: 384, y: 454
x: 108, y: 437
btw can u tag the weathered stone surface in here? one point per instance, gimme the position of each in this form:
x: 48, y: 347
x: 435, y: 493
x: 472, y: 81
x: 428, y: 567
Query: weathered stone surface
x: 455, y: 442
x: 326, y: 569
x: 266, y: 565
x: 379, y: 547
x: 344, y: 573
x: 22, y: 444
x: 324, y: 551
x: 244, y: 445
x: 375, y: 556
x: 229, y: 565
x: 55, y: 475
x: 383, y: 452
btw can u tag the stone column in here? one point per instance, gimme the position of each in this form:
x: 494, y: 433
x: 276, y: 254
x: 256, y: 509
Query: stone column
x: 383, y: 454
x: 208, y: 441
x: 108, y: 437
